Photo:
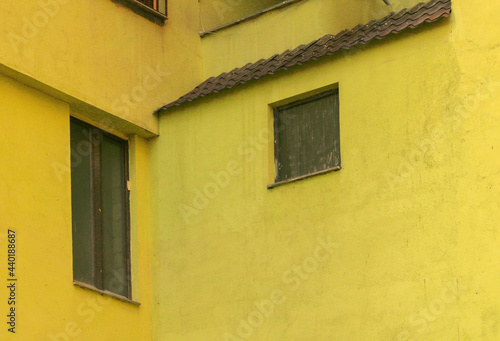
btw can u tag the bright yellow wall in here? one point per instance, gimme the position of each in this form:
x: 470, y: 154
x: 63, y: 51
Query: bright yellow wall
x: 101, y: 57
x: 413, y: 213
x: 36, y: 203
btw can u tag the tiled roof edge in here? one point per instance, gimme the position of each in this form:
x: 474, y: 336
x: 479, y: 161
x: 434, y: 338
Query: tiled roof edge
x: 326, y: 45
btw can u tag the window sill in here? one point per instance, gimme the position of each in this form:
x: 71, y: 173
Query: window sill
x: 276, y: 184
x: 144, y: 11
x: 105, y: 292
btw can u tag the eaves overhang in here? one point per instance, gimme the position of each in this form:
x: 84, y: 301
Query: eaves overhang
x: 327, y: 45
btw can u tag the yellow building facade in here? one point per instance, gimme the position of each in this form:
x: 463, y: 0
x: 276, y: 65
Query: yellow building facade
x: 110, y: 64
x: 398, y: 243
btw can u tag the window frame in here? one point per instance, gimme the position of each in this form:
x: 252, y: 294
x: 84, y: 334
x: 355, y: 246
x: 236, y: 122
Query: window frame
x: 277, y: 111
x: 96, y: 136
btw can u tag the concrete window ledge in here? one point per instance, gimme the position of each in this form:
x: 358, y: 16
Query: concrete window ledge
x: 105, y: 292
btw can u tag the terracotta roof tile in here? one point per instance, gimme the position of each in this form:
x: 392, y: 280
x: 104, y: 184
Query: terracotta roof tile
x: 326, y: 45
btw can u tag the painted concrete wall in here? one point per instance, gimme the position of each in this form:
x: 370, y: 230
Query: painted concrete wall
x: 36, y: 204
x: 401, y: 244
x: 101, y: 57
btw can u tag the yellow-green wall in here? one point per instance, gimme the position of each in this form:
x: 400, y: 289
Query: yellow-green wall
x: 36, y: 204
x: 412, y: 216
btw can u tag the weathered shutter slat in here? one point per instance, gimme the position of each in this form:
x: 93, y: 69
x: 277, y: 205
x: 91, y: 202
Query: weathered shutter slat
x: 307, y: 136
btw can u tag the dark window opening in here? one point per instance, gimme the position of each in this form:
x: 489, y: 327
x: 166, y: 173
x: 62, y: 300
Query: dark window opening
x: 100, y: 209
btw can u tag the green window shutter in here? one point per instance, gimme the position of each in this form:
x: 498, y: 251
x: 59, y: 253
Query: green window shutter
x: 307, y: 136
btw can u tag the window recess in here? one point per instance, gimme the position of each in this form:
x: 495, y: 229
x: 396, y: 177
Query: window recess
x: 153, y: 10
x: 100, y: 209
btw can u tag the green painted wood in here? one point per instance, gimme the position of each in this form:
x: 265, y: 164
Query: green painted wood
x: 307, y: 136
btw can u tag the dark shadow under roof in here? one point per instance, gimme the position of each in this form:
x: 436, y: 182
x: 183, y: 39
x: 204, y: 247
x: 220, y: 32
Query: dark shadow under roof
x: 327, y: 45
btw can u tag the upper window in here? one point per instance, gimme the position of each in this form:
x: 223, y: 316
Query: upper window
x: 100, y: 209
x: 154, y: 10
x: 307, y: 138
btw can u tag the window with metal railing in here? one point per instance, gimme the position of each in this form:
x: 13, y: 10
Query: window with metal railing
x: 153, y: 10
